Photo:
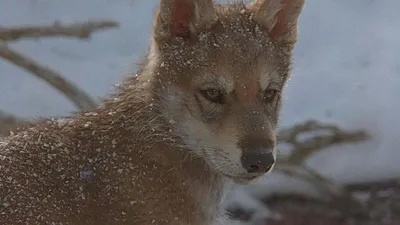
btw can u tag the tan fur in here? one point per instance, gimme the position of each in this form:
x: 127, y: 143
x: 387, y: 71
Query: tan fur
x: 157, y: 152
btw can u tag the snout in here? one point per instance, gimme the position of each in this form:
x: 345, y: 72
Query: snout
x: 257, y: 155
x: 258, y: 162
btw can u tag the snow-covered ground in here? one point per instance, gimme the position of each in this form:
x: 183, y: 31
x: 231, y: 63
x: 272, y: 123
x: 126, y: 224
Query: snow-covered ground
x: 347, y: 71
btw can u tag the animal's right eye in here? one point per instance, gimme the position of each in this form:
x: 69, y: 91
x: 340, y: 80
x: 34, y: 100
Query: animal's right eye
x: 213, y: 95
x: 269, y: 95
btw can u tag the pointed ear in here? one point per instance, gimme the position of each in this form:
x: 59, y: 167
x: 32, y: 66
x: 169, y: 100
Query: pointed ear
x: 280, y: 17
x: 182, y: 18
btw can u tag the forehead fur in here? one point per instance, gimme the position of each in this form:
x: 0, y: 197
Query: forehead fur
x: 235, y: 39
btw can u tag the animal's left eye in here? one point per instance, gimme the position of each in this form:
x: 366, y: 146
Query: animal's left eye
x: 269, y: 95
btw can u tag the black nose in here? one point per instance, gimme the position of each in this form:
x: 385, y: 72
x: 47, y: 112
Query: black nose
x: 256, y: 162
x: 257, y: 154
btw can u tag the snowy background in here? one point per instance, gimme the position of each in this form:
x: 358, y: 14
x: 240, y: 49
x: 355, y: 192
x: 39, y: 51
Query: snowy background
x: 346, y: 71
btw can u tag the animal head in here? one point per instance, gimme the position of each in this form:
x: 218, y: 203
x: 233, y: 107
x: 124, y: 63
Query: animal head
x: 219, y: 72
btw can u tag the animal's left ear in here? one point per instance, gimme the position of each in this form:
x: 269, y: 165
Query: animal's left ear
x: 280, y: 17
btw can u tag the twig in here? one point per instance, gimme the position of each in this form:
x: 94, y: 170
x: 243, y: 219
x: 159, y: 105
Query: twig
x: 75, y: 30
x: 293, y: 165
x: 323, y: 136
x: 310, y: 176
x: 77, y: 96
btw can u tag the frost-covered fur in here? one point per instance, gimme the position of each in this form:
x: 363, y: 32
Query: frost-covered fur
x: 165, y: 147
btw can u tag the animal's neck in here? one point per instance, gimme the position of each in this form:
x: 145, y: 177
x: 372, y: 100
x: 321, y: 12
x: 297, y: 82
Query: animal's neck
x: 206, y: 188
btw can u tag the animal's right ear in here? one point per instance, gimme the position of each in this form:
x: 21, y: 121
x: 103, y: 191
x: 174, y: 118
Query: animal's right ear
x: 280, y: 17
x: 182, y: 18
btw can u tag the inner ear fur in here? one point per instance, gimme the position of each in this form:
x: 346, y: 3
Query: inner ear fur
x: 280, y: 17
x: 182, y: 18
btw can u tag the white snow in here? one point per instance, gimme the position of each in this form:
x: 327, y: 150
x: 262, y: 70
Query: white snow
x: 347, y: 71
x: 258, y: 212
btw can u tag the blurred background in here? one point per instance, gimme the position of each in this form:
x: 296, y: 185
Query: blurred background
x: 339, y: 154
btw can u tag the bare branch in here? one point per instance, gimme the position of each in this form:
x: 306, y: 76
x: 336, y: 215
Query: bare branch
x: 323, y: 136
x: 75, y: 30
x: 73, y: 93
x: 308, y: 175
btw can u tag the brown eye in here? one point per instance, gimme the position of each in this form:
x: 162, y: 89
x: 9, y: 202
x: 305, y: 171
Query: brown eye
x: 269, y: 95
x: 213, y: 95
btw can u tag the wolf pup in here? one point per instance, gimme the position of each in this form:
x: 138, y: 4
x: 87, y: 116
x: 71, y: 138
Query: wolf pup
x: 202, y: 112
